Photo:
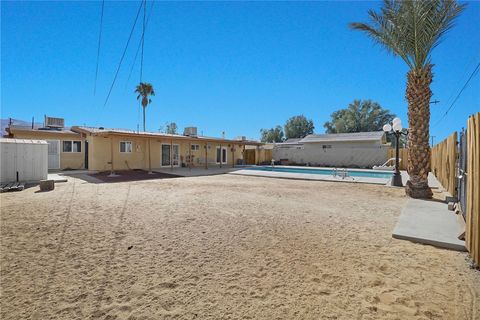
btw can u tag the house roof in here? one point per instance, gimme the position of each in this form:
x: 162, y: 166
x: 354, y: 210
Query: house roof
x: 335, y: 137
x: 102, y: 131
x: 22, y: 141
x: 124, y: 132
x: 291, y: 141
x: 39, y: 129
x: 344, y: 137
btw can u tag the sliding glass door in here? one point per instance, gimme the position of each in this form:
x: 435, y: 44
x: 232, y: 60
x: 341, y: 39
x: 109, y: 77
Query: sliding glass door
x: 170, y: 155
x: 221, y: 155
x: 176, y: 155
x: 166, y: 155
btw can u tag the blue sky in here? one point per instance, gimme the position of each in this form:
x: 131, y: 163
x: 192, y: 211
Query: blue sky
x: 234, y: 67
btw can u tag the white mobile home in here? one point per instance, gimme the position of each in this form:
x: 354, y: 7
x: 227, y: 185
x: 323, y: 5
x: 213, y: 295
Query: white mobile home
x: 362, y: 150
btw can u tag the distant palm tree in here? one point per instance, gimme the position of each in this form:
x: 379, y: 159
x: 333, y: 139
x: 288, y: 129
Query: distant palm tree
x: 411, y: 30
x: 144, y: 90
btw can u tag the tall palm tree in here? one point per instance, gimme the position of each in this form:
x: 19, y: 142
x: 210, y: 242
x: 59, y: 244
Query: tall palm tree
x: 411, y: 30
x: 144, y: 90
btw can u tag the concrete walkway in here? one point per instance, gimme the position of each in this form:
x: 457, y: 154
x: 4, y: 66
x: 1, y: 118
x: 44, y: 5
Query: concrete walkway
x: 430, y: 222
x: 195, y: 172
x: 311, y: 176
x: 432, y: 180
x: 56, y: 177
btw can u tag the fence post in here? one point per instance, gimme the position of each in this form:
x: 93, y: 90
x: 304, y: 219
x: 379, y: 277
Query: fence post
x: 472, y: 227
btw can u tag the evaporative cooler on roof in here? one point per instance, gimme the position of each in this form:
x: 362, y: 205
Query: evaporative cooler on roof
x: 51, y: 122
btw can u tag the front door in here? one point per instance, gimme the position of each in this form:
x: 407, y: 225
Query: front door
x: 170, y: 155
x: 221, y: 155
x: 86, y: 154
x: 176, y: 155
x: 53, y: 154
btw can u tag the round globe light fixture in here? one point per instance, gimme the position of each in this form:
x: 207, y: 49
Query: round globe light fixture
x: 397, y: 127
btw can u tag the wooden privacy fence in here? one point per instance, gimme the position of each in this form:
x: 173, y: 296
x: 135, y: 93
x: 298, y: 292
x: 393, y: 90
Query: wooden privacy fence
x: 443, y: 162
x: 444, y: 166
x: 472, y: 223
x: 249, y: 156
x: 402, y: 155
x: 257, y: 156
x: 264, y: 156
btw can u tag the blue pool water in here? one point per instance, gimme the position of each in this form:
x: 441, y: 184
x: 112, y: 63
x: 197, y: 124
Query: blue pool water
x: 365, y: 174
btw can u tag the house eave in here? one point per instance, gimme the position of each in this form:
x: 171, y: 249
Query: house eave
x: 108, y: 132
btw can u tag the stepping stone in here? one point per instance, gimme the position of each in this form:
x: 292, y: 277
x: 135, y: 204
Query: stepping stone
x: 47, y: 185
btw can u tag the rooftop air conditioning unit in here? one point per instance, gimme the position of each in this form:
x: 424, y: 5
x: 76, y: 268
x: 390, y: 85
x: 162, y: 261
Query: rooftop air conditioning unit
x: 51, y: 122
x: 190, y: 131
x: 241, y: 138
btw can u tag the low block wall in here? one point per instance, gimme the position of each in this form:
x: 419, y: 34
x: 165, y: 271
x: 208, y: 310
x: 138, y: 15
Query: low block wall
x: 333, y: 155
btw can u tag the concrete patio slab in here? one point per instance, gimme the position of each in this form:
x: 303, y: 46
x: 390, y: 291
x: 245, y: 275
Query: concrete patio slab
x: 56, y: 177
x: 197, y: 171
x: 429, y: 222
x: 307, y: 176
x: 432, y: 180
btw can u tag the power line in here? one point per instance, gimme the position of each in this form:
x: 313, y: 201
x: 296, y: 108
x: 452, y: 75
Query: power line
x: 470, y: 63
x: 139, y: 46
x: 143, y: 38
x: 123, y: 55
x: 459, y: 93
x: 98, y: 50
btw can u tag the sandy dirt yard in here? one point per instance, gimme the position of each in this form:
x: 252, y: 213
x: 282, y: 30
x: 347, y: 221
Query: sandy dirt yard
x: 222, y: 247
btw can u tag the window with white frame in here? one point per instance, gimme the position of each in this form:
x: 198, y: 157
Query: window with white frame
x: 195, y: 147
x: 125, y: 146
x: 72, y: 146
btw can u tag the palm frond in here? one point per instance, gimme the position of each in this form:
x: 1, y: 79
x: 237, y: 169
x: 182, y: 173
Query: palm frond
x: 144, y: 90
x: 411, y: 29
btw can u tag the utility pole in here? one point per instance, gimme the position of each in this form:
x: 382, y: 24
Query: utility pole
x: 431, y: 137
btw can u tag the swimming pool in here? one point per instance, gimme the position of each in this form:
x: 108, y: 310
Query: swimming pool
x: 325, y: 171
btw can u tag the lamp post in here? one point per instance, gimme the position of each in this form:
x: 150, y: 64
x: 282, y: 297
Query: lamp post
x: 396, y: 129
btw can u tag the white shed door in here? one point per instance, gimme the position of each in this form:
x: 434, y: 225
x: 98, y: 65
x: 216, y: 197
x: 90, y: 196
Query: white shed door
x: 53, y: 154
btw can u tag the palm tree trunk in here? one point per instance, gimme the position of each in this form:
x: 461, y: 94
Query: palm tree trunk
x: 418, y: 96
x: 144, y: 120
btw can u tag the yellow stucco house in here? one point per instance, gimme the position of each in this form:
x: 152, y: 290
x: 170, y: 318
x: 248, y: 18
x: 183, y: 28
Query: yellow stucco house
x: 101, y: 149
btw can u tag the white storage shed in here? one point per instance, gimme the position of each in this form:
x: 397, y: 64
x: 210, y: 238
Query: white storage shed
x: 23, y: 160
